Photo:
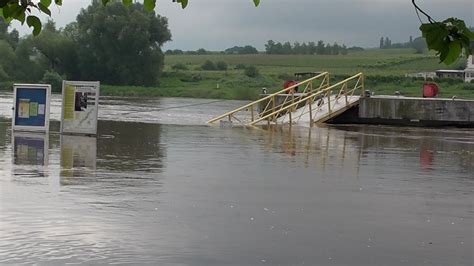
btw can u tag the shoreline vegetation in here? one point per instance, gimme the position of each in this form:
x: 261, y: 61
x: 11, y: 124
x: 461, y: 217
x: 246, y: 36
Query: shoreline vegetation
x: 242, y: 77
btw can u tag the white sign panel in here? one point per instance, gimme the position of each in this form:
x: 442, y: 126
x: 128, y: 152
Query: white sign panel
x: 80, y: 107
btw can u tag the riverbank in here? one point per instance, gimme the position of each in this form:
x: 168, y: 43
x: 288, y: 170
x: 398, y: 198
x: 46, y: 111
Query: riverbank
x: 385, y: 72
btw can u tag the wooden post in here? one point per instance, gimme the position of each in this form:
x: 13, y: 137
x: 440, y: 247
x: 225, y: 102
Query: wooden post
x: 310, y: 113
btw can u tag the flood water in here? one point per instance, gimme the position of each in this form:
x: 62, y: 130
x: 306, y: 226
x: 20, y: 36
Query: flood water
x: 162, y: 188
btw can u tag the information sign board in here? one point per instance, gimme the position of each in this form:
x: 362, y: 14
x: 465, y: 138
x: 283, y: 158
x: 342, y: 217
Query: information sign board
x: 31, y: 107
x: 80, y: 107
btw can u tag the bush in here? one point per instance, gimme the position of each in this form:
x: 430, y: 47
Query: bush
x: 285, y: 76
x: 251, y: 71
x: 208, y: 65
x: 6, y: 85
x: 179, y: 66
x: 54, y: 79
x: 3, y: 74
x: 221, y: 65
x: 468, y: 86
x: 240, y: 66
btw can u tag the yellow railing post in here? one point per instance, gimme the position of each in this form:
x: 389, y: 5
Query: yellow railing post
x: 362, y: 79
x: 251, y: 113
x: 273, y: 108
x: 329, y: 101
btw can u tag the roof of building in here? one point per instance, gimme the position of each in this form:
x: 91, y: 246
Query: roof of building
x: 450, y: 71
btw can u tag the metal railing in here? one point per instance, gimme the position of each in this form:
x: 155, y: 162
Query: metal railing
x: 321, y: 105
x: 276, y: 103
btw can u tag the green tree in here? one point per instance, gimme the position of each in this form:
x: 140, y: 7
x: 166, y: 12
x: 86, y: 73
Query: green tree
x: 30, y: 64
x: 419, y: 44
x: 286, y: 48
x: 53, y: 78
x: 12, y: 37
x: 7, y: 55
x: 59, y: 49
x: 120, y: 45
x: 320, y: 47
x: 270, y: 47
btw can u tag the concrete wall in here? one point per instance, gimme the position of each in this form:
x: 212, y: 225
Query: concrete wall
x: 417, y: 110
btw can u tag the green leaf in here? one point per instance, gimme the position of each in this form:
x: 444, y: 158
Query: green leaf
x: 6, y: 18
x: 46, y: 3
x: 149, y: 5
x: 58, y: 2
x: 21, y: 18
x: 127, y: 2
x: 34, y: 22
x: 3, y: 3
x: 184, y: 3
x: 44, y: 9
x: 256, y: 2
x: 455, y: 49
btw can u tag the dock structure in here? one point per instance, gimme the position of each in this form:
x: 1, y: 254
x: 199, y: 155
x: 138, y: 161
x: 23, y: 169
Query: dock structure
x: 347, y: 102
x: 410, y: 111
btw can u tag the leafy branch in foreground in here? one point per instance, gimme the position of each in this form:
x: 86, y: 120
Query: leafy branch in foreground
x: 448, y: 38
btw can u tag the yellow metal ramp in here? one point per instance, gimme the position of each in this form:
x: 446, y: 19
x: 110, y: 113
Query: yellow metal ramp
x: 311, y: 106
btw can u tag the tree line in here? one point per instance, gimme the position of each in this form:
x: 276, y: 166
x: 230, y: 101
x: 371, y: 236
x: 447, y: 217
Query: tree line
x: 247, y: 49
x: 419, y: 44
x: 115, y: 44
x: 320, y: 48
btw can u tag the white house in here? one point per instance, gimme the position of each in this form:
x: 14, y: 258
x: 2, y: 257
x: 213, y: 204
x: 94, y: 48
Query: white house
x: 469, y: 71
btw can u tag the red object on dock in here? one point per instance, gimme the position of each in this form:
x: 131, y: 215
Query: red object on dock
x: 290, y: 83
x: 430, y: 90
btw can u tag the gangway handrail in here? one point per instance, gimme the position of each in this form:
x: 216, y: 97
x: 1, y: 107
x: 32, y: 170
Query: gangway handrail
x: 288, y: 89
x: 312, y: 95
x: 342, y: 92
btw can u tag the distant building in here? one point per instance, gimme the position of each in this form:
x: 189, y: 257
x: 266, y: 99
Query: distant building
x: 449, y: 73
x: 467, y: 74
x: 469, y: 71
x: 425, y: 75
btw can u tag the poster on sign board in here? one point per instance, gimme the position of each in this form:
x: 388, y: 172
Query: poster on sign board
x: 80, y: 107
x: 31, y: 107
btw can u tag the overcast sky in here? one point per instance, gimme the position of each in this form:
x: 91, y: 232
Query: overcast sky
x: 220, y: 24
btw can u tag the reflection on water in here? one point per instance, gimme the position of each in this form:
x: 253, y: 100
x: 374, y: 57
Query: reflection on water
x: 77, y: 153
x: 196, y: 195
x: 30, y: 149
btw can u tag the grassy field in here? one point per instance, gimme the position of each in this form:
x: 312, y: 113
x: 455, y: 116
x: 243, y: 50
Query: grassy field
x: 385, y: 72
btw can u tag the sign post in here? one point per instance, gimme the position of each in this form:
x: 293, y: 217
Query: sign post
x: 80, y: 107
x: 31, y: 107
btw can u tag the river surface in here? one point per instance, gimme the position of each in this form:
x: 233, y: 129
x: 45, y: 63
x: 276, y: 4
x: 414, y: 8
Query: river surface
x: 159, y: 187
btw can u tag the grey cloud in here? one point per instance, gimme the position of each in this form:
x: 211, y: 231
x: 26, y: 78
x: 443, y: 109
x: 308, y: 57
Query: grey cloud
x: 216, y: 25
